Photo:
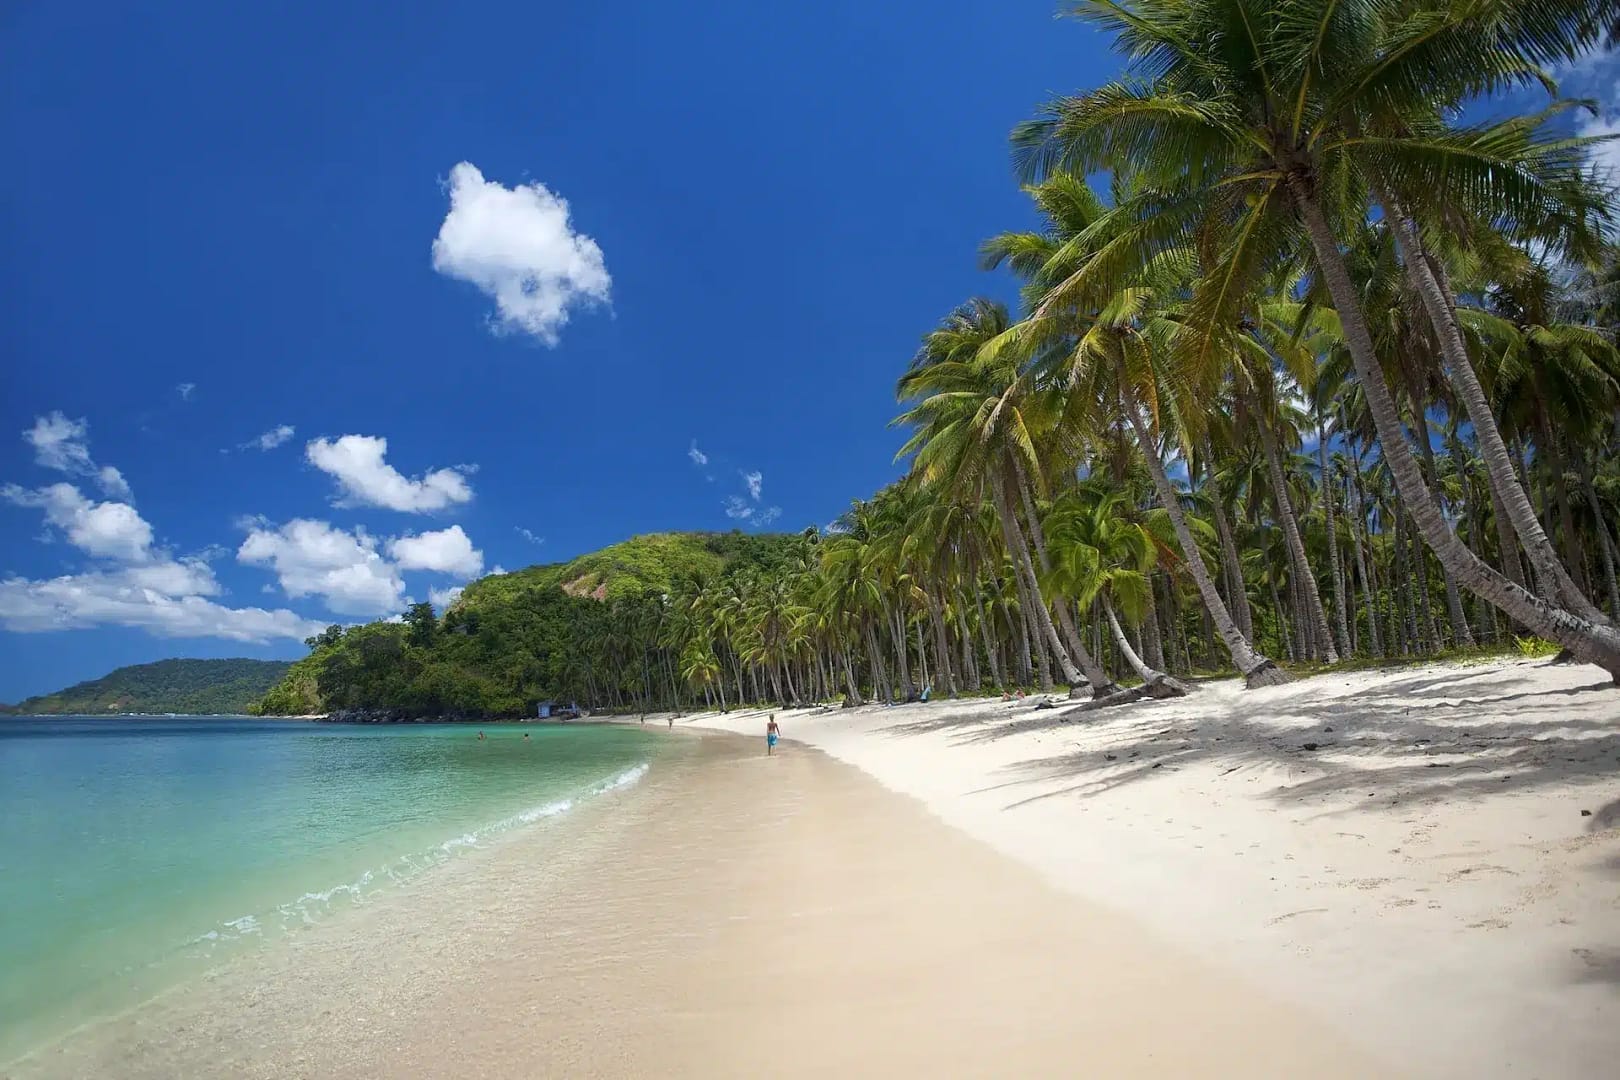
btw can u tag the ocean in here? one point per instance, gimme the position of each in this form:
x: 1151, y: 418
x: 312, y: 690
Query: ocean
x: 137, y: 853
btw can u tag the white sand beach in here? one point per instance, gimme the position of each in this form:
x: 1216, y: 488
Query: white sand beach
x: 1426, y: 858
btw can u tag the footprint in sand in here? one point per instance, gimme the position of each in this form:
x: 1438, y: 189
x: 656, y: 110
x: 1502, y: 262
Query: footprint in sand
x: 1490, y: 924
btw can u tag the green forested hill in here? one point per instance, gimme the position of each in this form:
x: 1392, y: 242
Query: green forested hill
x: 199, y: 687
x: 577, y: 630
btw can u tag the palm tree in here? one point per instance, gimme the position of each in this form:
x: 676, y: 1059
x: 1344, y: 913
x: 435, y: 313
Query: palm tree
x: 1301, y: 111
x: 1101, y: 556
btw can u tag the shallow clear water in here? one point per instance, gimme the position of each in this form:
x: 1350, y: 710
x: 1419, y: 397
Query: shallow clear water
x: 133, y: 852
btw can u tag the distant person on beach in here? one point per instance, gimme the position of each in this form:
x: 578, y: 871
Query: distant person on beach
x: 672, y: 723
x: 772, y: 732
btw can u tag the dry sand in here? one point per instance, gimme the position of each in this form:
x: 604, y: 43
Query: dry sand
x: 1424, y: 880
x: 734, y: 916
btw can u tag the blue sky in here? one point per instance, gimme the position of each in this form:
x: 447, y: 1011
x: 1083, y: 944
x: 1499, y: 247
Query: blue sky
x: 221, y: 223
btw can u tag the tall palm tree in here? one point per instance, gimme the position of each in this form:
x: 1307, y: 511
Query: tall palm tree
x: 1275, y: 139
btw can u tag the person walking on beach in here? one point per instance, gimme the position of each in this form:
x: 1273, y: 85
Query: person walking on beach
x: 772, y: 732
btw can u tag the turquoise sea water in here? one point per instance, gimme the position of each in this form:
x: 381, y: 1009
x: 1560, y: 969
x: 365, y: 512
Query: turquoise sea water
x: 135, y: 852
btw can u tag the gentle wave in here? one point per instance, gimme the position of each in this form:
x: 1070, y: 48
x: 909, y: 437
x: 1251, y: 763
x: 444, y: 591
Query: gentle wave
x: 307, y: 909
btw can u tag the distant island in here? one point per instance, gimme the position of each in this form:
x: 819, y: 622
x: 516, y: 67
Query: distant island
x: 196, y: 687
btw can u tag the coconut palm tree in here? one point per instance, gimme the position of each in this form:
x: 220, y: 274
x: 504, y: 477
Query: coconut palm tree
x: 1271, y: 145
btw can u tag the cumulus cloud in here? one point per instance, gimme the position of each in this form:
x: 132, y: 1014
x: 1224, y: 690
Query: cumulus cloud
x: 698, y: 457
x: 184, y: 390
x: 443, y: 598
x: 519, y: 248
x: 137, y: 598
x: 528, y: 535
x: 1593, y: 76
x: 365, y: 479
x: 64, y: 445
x: 132, y: 582
x: 755, y: 483
x: 270, y: 439
x: 311, y: 558
x: 448, y: 551
x: 110, y: 530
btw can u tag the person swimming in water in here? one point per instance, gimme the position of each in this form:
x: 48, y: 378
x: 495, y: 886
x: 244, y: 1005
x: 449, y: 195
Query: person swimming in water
x: 772, y: 733
x: 480, y: 736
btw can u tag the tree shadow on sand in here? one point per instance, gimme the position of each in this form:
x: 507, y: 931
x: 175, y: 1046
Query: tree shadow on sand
x: 1409, y: 741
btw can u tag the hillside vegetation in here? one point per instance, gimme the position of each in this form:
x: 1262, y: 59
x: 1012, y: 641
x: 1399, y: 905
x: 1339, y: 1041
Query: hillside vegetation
x: 576, y: 630
x: 198, y: 687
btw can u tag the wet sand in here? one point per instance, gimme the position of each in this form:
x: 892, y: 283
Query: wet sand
x: 731, y: 916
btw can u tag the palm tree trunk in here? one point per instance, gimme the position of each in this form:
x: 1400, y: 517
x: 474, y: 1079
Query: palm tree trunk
x: 1039, y: 615
x: 1256, y: 669
x: 942, y: 649
x: 902, y: 663
x: 991, y: 652
x: 1358, y: 525
x: 1322, y: 640
x: 1237, y: 591
x: 1071, y: 635
x: 1460, y: 634
x: 1599, y: 644
x: 874, y: 656
x: 1605, y: 541
x: 1425, y: 273
x: 1152, y: 638
x: 1156, y: 682
x: 1332, y: 537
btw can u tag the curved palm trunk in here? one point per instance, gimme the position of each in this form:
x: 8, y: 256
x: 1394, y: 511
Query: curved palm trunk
x: 1358, y: 526
x: 1296, y: 547
x: 1424, y: 274
x: 1586, y: 639
x: 1065, y: 620
x: 1156, y: 682
x: 1078, y: 667
x: 1328, y: 508
x: 1256, y: 669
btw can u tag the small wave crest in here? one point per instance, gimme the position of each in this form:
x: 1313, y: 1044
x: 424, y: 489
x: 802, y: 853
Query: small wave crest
x: 307, y: 909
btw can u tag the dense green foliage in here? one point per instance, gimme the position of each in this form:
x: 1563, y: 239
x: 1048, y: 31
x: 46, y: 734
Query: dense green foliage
x: 1326, y: 374
x: 565, y: 631
x: 196, y: 687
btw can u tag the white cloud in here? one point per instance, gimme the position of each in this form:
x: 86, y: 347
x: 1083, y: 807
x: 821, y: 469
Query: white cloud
x: 63, y: 445
x: 356, y: 462
x: 311, y: 558
x: 767, y: 515
x: 1593, y: 76
x: 110, y: 530
x: 518, y: 247
x: 127, y: 598
x: 698, y: 457
x: 755, y: 482
x: 448, y: 551
x: 443, y: 598
x: 529, y: 535
x: 737, y: 507
x: 136, y: 584
x: 270, y: 439
x: 184, y: 390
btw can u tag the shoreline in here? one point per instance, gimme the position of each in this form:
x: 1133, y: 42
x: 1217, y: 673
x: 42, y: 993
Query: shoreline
x: 728, y: 916
x: 1402, y: 851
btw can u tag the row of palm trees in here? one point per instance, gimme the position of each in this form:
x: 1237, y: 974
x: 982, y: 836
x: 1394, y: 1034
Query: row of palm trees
x: 1328, y: 372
